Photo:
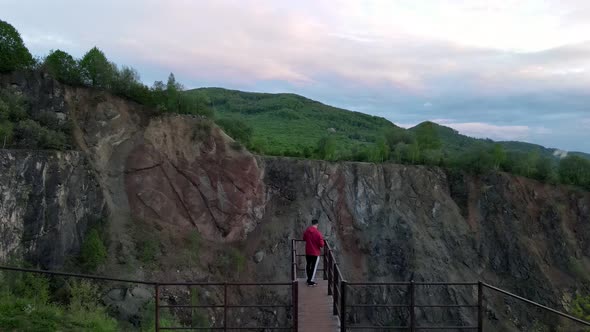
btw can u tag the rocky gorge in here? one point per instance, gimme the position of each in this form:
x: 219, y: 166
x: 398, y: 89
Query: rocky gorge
x: 181, y: 185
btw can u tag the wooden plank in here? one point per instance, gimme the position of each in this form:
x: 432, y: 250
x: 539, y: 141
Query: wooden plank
x: 315, y: 308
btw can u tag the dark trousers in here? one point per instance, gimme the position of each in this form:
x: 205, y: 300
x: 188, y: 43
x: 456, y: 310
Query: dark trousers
x: 311, y: 261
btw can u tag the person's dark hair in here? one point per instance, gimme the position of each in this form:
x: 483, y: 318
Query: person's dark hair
x: 314, y: 221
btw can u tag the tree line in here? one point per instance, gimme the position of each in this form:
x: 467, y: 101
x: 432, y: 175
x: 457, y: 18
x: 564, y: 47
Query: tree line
x: 96, y: 71
x: 22, y: 128
x: 425, y: 147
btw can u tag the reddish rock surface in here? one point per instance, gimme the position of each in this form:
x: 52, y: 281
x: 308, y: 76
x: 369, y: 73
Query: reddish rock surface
x: 185, y: 181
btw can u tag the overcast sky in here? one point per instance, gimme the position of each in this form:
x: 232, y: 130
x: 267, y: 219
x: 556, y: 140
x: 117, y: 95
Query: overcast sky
x: 507, y: 70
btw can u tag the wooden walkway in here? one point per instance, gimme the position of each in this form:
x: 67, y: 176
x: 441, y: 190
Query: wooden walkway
x: 315, y: 308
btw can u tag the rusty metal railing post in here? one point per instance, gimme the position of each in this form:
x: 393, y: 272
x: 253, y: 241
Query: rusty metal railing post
x: 336, y: 292
x: 225, y: 324
x: 412, y: 306
x: 343, y: 307
x: 330, y: 271
x: 479, y: 306
x: 157, y: 295
x: 292, y: 259
x: 325, y: 263
x: 295, y: 303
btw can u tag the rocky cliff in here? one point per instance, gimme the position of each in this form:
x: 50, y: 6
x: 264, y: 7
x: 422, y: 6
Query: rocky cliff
x: 49, y: 199
x: 208, y: 206
x: 395, y: 222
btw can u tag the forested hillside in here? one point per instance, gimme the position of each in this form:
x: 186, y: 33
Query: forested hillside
x: 288, y: 124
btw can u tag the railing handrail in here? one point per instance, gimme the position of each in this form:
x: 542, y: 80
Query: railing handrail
x: 158, y: 285
x: 417, y: 283
x: 538, y: 305
x: 76, y: 275
x: 337, y: 288
x: 143, y: 282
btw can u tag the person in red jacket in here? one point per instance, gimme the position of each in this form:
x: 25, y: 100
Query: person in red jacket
x: 314, y: 241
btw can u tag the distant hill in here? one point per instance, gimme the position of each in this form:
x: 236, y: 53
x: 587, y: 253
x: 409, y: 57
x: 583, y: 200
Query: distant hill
x: 283, y: 122
x: 454, y: 142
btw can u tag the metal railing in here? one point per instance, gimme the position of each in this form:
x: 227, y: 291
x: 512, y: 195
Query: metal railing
x: 295, y: 294
x: 331, y: 273
x: 158, y: 306
x: 412, y: 306
x: 226, y: 306
x: 336, y: 285
x: 339, y: 288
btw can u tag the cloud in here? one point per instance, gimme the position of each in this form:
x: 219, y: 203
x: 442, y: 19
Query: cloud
x: 375, y: 44
x: 491, y: 131
x: 560, y: 153
x: 479, y: 62
x: 46, y: 41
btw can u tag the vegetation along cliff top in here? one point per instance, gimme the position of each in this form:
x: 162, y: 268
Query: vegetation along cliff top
x: 271, y: 124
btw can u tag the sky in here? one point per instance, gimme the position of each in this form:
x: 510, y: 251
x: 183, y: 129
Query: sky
x: 505, y: 70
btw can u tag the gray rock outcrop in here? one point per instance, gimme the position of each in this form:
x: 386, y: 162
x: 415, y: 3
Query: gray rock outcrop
x: 49, y: 199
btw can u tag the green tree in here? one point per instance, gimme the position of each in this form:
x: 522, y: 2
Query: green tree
x: 544, y: 169
x: 530, y: 164
x: 158, y: 92
x: 96, y: 70
x: 412, y: 153
x: 477, y: 160
x: 237, y: 129
x: 194, y: 104
x: 326, y: 148
x: 380, y: 152
x: 13, y: 52
x: 124, y: 80
x: 575, y: 170
x: 432, y: 157
x: 173, y: 90
x: 498, y: 156
x: 63, y: 67
x: 30, y: 134
x: 397, y: 152
x: 427, y: 136
x: 398, y: 135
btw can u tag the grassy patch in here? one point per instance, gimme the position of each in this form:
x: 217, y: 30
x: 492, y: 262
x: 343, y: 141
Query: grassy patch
x: 25, y: 306
x: 147, y: 242
x: 231, y: 262
x: 93, y: 252
x: 147, y: 251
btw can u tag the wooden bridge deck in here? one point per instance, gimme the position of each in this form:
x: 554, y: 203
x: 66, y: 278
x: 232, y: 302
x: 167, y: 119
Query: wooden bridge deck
x: 315, y: 308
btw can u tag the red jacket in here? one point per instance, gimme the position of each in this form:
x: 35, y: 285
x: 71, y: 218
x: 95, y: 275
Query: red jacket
x: 313, y: 241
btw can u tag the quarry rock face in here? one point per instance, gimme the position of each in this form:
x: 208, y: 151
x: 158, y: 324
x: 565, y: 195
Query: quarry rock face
x: 393, y: 222
x: 386, y: 222
x: 48, y: 201
x: 181, y: 180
